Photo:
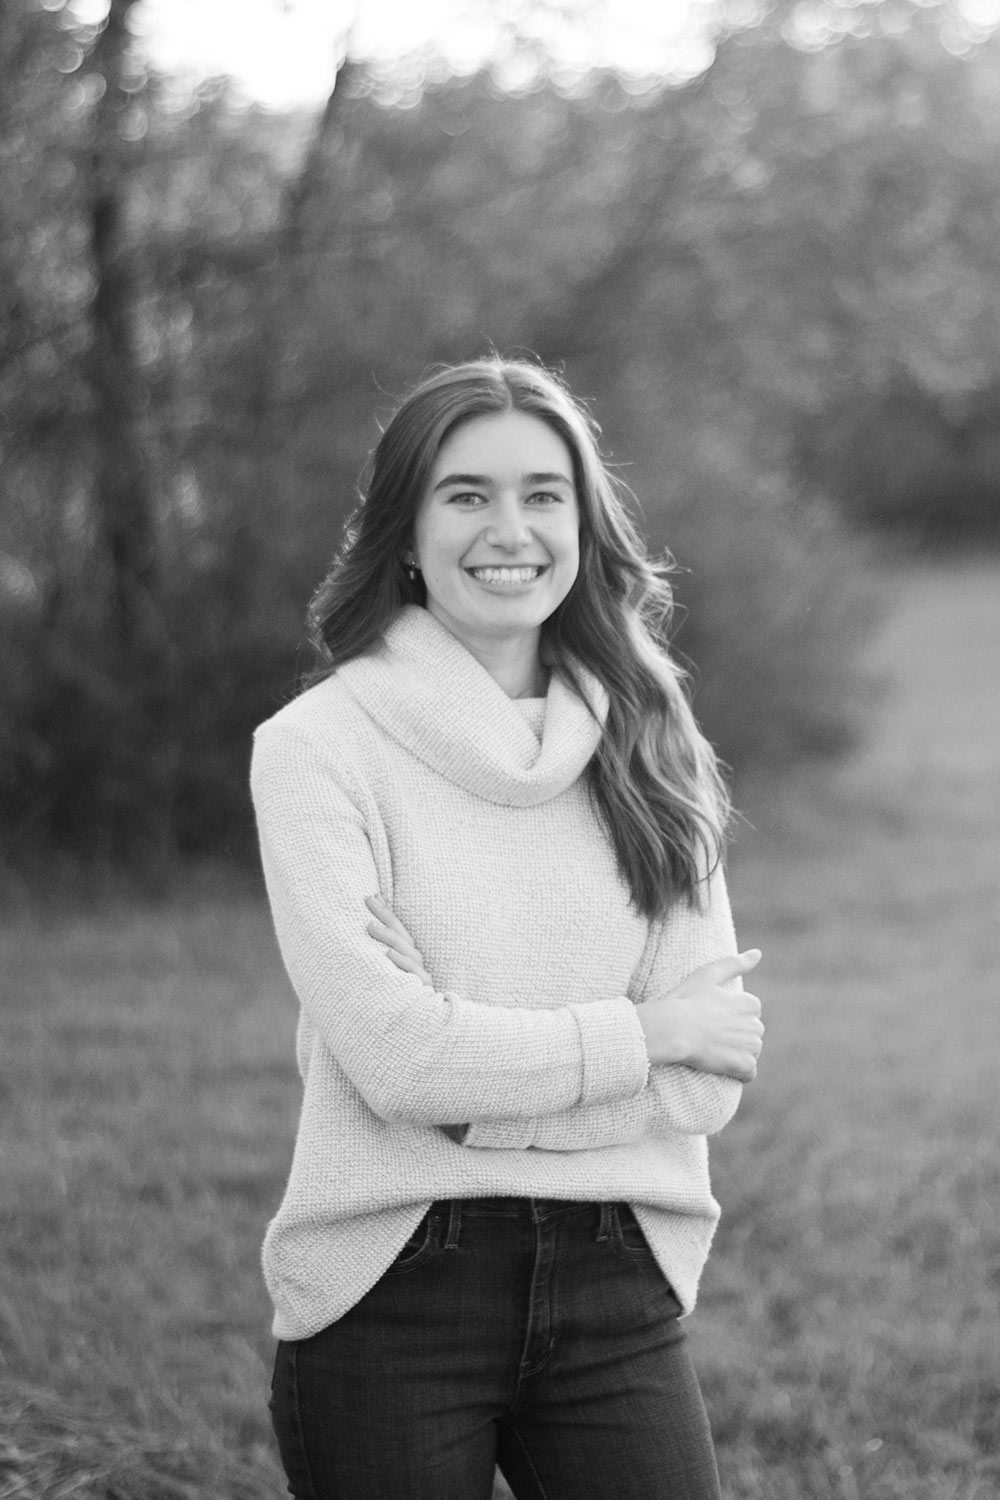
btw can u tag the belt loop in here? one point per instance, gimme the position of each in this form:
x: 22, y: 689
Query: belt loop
x: 454, y: 1224
x: 604, y: 1228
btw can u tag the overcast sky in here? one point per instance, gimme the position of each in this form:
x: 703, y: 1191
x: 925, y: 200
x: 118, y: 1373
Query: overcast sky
x: 282, y: 52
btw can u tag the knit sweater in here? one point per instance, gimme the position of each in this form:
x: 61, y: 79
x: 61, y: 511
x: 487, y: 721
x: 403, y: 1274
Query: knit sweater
x: 410, y: 772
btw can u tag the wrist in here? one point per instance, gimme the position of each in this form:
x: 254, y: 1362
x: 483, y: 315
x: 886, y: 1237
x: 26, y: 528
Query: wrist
x: 663, y: 1044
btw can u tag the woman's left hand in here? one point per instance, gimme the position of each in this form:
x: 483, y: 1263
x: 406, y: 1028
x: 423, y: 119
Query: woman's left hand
x: 400, y: 947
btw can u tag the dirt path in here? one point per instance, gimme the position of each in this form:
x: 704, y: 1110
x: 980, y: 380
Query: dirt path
x: 940, y: 728
x: 850, y: 1300
x: 911, y: 821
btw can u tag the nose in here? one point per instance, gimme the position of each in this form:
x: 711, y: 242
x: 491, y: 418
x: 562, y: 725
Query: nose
x: 508, y: 527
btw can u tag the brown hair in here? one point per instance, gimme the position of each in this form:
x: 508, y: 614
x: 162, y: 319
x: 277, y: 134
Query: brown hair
x: 654, y: 778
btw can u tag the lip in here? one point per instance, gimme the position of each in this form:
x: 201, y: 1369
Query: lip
x: 509, y: 586
x: 472, y: 568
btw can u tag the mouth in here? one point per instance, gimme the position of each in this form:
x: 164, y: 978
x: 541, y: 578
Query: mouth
x: 506, y: 577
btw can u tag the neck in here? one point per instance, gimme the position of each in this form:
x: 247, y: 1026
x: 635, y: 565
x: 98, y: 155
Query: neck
x: 514, y: 665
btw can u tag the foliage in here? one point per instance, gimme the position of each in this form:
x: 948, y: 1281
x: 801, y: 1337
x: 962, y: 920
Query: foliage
x: 776, y: 284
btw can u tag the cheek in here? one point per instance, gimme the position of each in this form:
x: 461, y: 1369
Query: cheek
x: 434, y: 548
x: 561, y: 534
x: 572, y: 564
x: 569, y: 548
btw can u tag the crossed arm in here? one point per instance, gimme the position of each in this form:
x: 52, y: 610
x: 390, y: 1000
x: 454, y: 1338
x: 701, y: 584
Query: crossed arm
x: 703, y: 1035
x: 575, y: 1076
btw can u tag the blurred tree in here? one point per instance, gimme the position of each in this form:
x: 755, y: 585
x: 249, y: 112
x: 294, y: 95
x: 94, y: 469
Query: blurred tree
x: 765, y: 279
x: 125, y: 483
x: 132, y: 637
x: 857, y: 251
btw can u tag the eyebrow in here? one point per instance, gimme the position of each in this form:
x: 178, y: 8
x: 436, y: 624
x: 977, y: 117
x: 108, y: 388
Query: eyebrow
x: 483, y: 481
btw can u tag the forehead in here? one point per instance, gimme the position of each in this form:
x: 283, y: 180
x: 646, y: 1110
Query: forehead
x: 507, y: 445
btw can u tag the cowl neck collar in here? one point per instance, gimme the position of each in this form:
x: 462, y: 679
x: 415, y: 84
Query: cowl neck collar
x: 431, y: 695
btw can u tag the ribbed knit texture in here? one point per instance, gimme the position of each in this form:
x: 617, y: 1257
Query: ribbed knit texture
x: 410, y: 772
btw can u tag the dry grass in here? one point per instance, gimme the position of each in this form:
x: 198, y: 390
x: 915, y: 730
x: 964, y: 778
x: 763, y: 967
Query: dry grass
x: 149, y: 1103
x: 848, y: 1331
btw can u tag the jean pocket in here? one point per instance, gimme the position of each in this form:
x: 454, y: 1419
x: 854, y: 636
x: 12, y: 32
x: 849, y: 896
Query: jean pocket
x: 419, y: 1247
x: 627, y: 1236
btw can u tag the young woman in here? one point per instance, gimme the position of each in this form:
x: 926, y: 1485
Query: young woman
x: 492, y: 837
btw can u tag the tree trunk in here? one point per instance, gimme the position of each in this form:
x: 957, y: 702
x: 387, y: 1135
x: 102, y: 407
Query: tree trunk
x: 125, y: 467
x: 283, y: 281
x: 137, y: 768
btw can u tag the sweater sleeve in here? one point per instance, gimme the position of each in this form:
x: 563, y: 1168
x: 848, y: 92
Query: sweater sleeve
x: 675, y: 1098
x: 413, y: 1055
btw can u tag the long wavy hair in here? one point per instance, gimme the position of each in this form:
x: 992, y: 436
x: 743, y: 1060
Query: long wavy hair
x: 654, y: 779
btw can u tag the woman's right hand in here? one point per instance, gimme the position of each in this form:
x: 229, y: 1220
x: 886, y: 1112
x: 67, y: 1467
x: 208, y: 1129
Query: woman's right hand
x: 703, y: 1025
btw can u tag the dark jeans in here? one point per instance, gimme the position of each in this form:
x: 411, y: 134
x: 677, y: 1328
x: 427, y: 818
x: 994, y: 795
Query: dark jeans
x: 529, y: 1333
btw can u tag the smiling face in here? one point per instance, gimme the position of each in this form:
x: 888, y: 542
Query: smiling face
x: 497, y: 533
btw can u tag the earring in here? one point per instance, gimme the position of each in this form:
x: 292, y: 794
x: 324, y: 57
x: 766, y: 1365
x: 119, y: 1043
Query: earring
x: 410, y: 564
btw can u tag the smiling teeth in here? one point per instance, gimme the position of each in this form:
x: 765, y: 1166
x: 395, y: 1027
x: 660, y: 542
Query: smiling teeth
x: 505, y: 575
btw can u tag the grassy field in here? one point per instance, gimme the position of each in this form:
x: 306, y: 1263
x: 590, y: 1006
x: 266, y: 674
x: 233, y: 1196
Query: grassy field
x: 849, y: 1329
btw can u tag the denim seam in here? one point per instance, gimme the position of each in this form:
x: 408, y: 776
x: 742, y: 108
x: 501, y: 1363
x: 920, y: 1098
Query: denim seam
x: 539, y: 1296
x: 299, y: 1434
x: 516, y: 1436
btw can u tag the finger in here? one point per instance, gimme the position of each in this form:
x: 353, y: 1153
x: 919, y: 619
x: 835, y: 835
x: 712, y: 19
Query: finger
x: 392, y: 939
x: 404, y: 961
x: 731, y: 968
x: 721, y: 970
x: 388, y: 918
x: 381, y: 931
x: 743, y: 1071
x: 412, y: 967
x: 747, y: 1028
x: 381, y: 909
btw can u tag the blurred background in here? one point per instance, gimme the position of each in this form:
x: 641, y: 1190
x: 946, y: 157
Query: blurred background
x: 776, y: 278
x: 763, y: 239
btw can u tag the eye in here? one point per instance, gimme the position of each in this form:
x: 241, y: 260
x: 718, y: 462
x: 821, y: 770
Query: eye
x: 544, y: 497
x: 468, y: 499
